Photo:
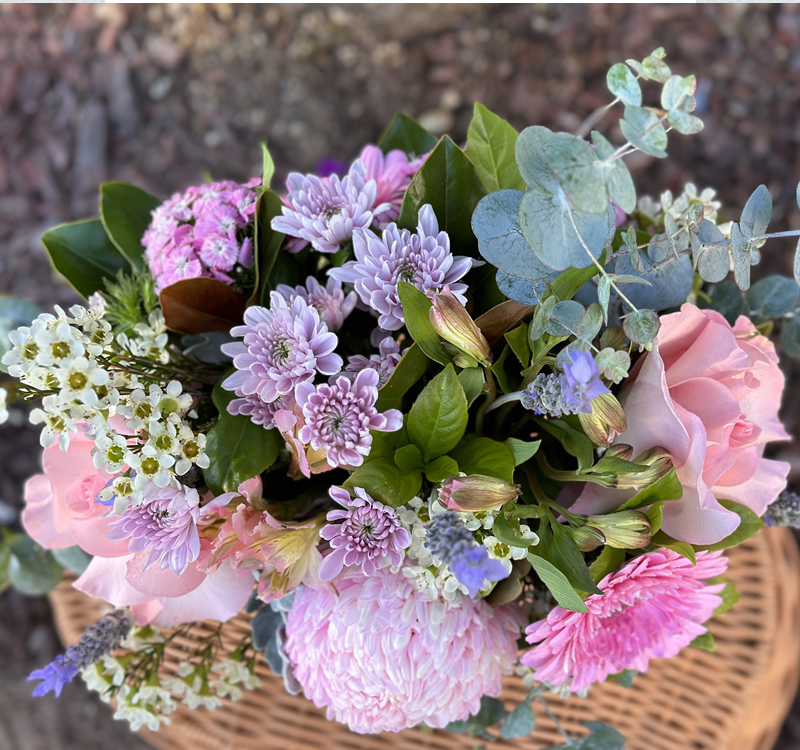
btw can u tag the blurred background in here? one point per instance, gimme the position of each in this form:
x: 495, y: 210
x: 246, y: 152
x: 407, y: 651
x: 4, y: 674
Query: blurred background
x: 164, y: 95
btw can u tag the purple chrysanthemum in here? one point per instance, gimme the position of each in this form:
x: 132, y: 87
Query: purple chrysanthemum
x: 581, y: 382
x: 383, y: 363
x: 202, y: 232
x: 164, y: 525
x: 382, y: 656
x: 422, y: 259
x: 283, y: 346
x: 392, y: 173
x: 260, y: 412
x: 369, y: 536
x: 330, y: 301
x: 338, y: 417
x: 452, y: 542
x: 325, y: 210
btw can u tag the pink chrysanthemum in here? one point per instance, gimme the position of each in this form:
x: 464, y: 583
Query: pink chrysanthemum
x: 383, y: 363
x: 382, y: 657
x: 205, y: 231
x: 422, y: 259
x: 652, y: 607
x: 165, y: 525
x: 325, y: 210
x: 369, y: 536
x: 338, y: 417
x: 283, y: 346
x: 392, y: 173
x: 330, y: 301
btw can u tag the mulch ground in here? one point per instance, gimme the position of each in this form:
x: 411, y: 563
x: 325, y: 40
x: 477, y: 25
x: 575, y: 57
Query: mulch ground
x: 163, y: 95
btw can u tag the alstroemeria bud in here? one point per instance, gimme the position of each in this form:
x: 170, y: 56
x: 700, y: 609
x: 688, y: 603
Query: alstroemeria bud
x: 658, y: 461
x: 620, y: 450
x: 628, y: 529
x: 606, y: 421
x: 453, y: 323
x: 477, y: 492
x: 586, y: 537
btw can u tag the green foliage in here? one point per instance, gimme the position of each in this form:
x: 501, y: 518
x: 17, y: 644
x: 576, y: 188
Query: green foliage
x: 609, y: 560
x: 643, y: 129
x: 267, y: 242
x: 408, y: 458
x: 438, y: 418
x: 667, y: 487
x: 558, y: 548
x: 705, y: 642
x: 617, y: 178
x: 482, y: 455
x: 558, y: 584
x: 406, y: 135
x: 749, y: 524
x: 27, y: 566
x: 492, y: 710
x: 730, y: 595
x: 268, y: 167
x: 238, y: 448
x: 727, y: 299
x: 522, y: 450
x: 519, y: 723
x: 756, y: 213
x: 508, y: 532
x: 84, y: 255
x: 447, y: 181
x: 518, y: 341
x: 72, y: 558
x: 641, y: 326
x: 602, y: 737
x: 129, y: 300
x: 416, y: 309
x: 772, y: 297
x: 125, y: 211
x: 411, y: 367
x: 385, y: 481
x: 790, y: 337
x: 441, y: 468
x: 472, y: 381
x: 490, y: 147
x: 623, y: 84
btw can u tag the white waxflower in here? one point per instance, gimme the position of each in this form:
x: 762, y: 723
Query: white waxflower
x: 139, y: 717
x: 156, y: 697
x: 163, y: 438
x: 192, y: 451
x: 21, y: 358
x: 109, y: 450
x: 3, y: 409
x: 59, y: 344
x: 58, y: 422
x: 79, y: 379
x: 236, y: 673
x: 150, y: 467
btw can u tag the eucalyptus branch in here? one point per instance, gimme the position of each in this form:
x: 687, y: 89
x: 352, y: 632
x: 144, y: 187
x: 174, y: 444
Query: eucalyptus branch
x: 593, y: 118
x: 555, y: 720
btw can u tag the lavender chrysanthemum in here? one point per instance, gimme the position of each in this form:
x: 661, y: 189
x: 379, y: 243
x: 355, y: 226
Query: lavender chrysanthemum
x: 338, y: 417
x: 452, y: 542
x: 383, y: 363
x: 260, y: 412
x: 330, y: 301
x: 369, y: 536
x: 652, y: 607
x: 392, y: 173
x: 205, y: 231
x: 99, y: 639
x: 382, y: 656
x: 325, y: 210
x: 581, y: 381
x: 164, y: 525
x: 422, y: 259
x: 283, y: 346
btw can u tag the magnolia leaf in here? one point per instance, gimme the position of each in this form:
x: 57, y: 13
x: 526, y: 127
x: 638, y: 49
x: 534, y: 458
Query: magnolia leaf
x: 202, y: 304
x: 125, y: 211
x: 408, y: 136
x: 623, y: 84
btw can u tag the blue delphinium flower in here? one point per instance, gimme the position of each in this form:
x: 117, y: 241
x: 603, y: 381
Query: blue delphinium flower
x: 99, y: 639
x: 452, y: 542
x: 581, y: 382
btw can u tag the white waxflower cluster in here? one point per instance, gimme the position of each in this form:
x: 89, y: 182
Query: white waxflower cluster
x: 678, y: 207
x: 430, y: 574
x: 233, y: 675
x: 3, y: 409
x: 89, y: 380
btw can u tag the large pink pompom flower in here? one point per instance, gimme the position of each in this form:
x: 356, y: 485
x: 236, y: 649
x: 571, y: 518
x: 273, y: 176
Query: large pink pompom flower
x: 652, y: 607
x: 709, y: 394
x: 382, y: 657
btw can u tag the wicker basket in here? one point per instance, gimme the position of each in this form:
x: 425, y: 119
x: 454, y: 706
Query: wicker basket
x: 735, y: 698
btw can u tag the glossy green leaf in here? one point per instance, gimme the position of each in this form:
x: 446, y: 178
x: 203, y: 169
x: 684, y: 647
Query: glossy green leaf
x: 575, y: 442
x: 623, y: 84
x: 507, y: 532
x: 408, y: 458
x: 684, y: 549
x: 267, y: 168
x: 609, y: 560
x: 472, y: 381
x: 125, y: 211
x: 730, y: 595
x: 409, y: 370
x: 84, y: 255
x: 416, y: 308
x: 406, y: 135
x: 656, y: 515
x: 557, y: 546
x: 518, y: 341
x: 238, y: 448
x: 667, y: 487
x: 705, y: 642
x: 506, y: 371
x: 267, y: 243
x: 557, y: 583
x: 523, y: 450
x: 441, y: 468
x: 490, y: 147
x: 438, y: 418
x: 384, y: 481
x: 482, y: 455
x: 447, y: 181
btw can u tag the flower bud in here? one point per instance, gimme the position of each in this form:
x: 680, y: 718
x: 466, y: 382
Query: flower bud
x: 586, y: 537
x: 606, y: 421
x: 658, y: 461
x: 476, y: 493
x: 628, y: 529
x: 453, y: 323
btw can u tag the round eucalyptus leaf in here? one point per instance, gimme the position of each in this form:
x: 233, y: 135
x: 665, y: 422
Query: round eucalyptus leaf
x: 623, y: 84
x: 641, y: 326
x: 727, y: 299
x: 713, y: 263
x: 790, y: 337
x: 756, y: 213
x: 579, y: 172
x: 564, y: 318
x: 525, y: 291
x: 772, y: 297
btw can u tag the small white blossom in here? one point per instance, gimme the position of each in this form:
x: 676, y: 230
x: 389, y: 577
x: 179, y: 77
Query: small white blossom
x: 3, y: 409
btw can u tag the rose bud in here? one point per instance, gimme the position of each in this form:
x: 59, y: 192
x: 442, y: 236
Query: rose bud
x: 450, y: 319
x: 628, y: 529
x: 476, y: 493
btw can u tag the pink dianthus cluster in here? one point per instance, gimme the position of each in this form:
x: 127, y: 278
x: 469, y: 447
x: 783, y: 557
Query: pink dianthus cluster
x: 205, y: 231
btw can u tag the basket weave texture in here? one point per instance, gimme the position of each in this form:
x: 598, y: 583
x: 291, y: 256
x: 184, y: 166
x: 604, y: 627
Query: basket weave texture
x: 733, y: 699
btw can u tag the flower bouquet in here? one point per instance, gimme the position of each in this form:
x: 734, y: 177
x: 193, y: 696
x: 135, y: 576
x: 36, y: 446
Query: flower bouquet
x: 453, y: 414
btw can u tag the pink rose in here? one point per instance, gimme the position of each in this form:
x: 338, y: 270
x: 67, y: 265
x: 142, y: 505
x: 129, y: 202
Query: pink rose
x: 710, y: 395
x: 61, y: 511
